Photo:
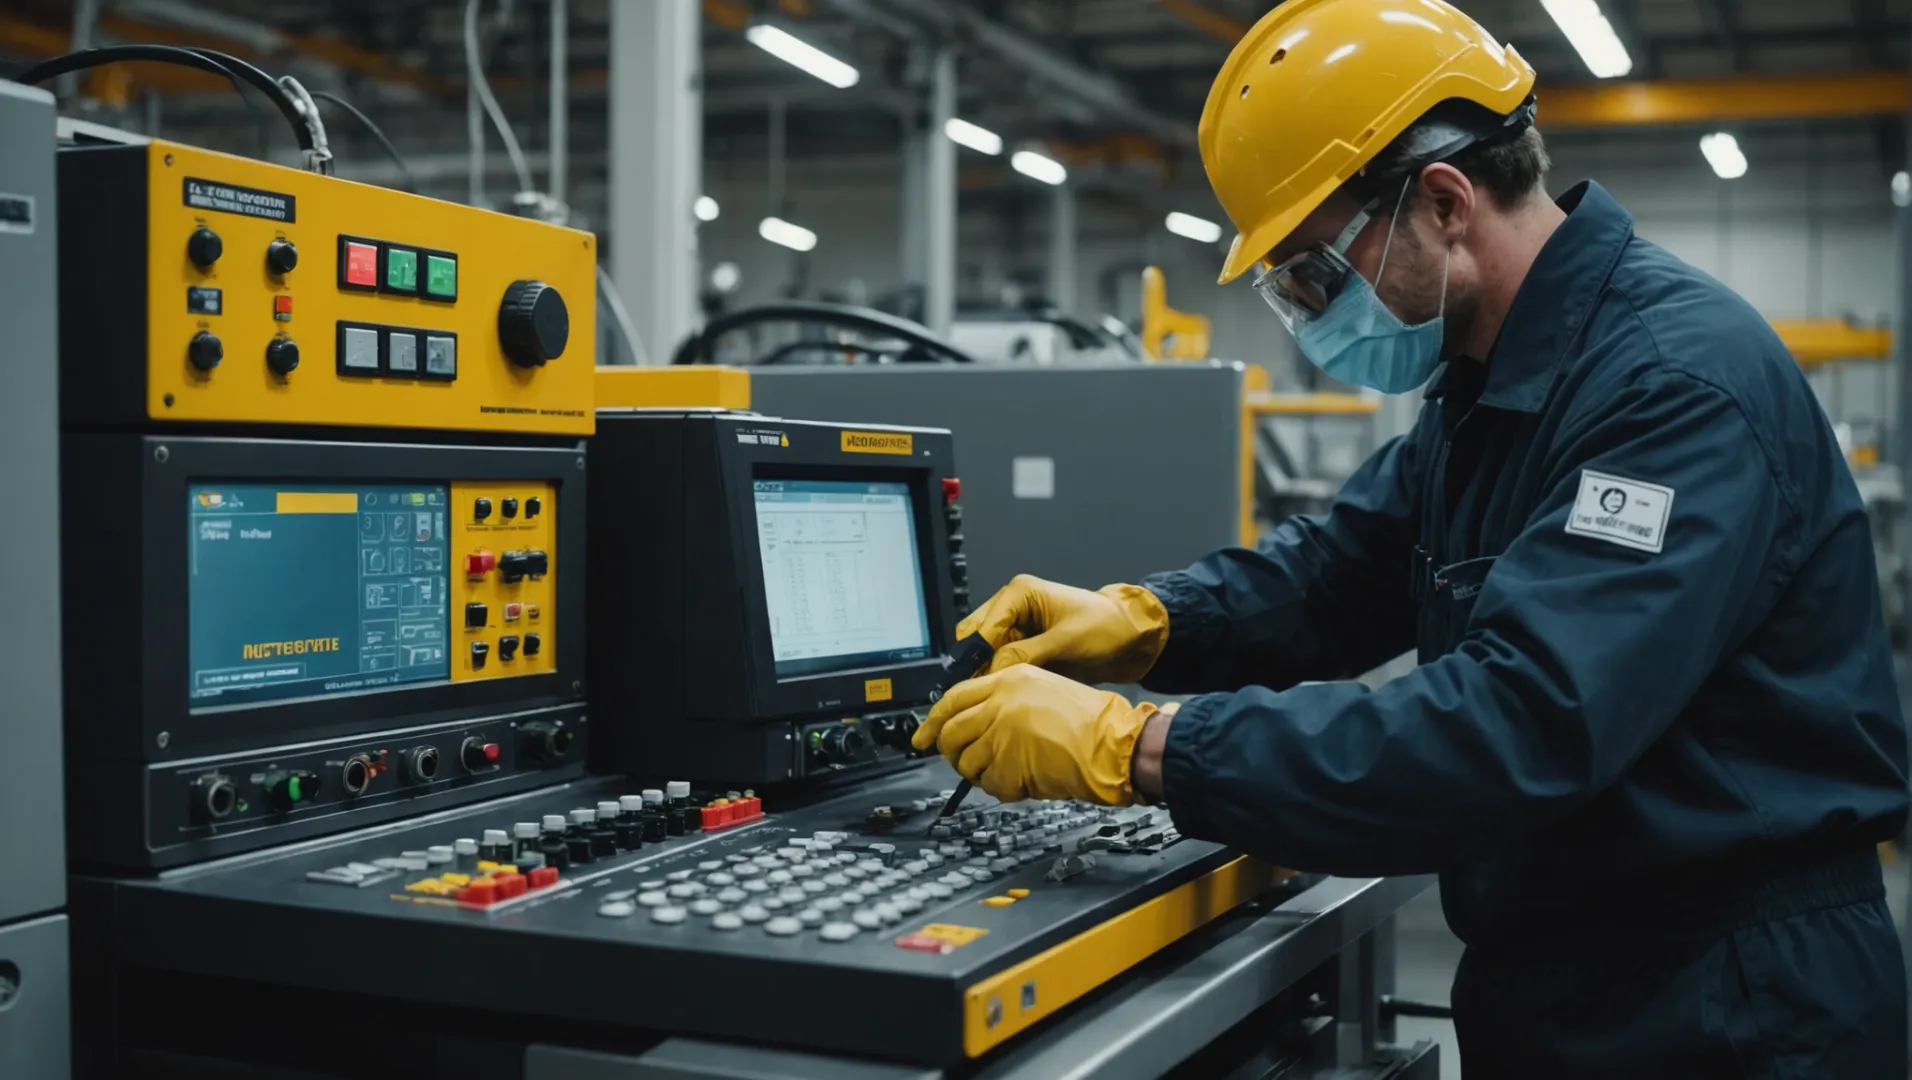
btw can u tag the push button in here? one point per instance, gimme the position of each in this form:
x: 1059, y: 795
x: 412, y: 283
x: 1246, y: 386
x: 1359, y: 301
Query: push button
x: 480, y: 509
x: 509, y: 508
x: 508, y: 647
x: 282, y: 308
x: 479, y: 651
x: 533, y: 644
x: 441, y: 277
x: 359, y: 265
x: 478, y: 564
x: 441, y: 356
x: 401, y: 270
x: 358, y: 350
x: 513, y: 612
x: 533, y: 507
x: 401, y: 353
x: 537, y: 563
x: 476, y: 615
x: 952, y: 490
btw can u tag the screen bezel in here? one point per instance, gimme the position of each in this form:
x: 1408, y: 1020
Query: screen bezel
x: 166, y: 703
x: 814, y: 452
x: 243, y: 696
x: 921, y: 553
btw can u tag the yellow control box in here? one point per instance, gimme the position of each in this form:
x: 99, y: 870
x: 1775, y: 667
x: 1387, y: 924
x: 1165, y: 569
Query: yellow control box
x: 218, y: 289
x: 504, y: 550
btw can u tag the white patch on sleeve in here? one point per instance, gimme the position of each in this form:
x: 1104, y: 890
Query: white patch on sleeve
x: 1625, y: 512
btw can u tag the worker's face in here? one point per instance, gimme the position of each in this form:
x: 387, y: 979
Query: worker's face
x: 1416, y: 282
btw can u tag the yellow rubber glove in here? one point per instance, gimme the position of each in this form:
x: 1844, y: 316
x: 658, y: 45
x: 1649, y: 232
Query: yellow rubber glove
x: 1112, y: 635
x: 1026, y: 733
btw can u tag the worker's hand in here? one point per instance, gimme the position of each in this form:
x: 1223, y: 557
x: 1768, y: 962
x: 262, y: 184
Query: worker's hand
x: 1111, y: 635
x: 1026, y: 733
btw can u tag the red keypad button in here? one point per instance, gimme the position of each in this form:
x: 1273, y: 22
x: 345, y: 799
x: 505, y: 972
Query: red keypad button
x: 925, y: 943
x: 361, y: 264
x: 510, y: 885
x: 542, y: 877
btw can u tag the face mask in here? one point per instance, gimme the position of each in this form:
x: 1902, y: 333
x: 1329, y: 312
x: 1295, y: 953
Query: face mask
x: 1359, y: 341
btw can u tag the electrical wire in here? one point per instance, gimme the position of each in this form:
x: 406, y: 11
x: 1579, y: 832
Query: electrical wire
x: 475, y: 71
x: 620, y: 317
x: 320, y: 159
x: 206, y: 60
x: 398, y: 159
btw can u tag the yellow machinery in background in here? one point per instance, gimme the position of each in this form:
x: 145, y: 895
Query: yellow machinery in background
x: 1168, y: 334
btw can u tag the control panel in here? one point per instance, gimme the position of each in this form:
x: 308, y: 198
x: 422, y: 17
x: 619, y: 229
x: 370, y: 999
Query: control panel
x: 272, y: 295
x: 505, y: 553
x: 857, y: 743
x: 208, y: 806
x: 749, y: 921
x: 953, y: 536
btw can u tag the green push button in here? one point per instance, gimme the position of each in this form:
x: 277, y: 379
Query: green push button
x: 441, y: 276
x: 401, y: 270
x: 292, y: 789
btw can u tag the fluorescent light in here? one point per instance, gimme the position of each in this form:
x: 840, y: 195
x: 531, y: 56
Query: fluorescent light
x: 778, y: 231
x: 977, y: 138
x: 1723, y: 154
x: 1591, y: 35
x: 800, y: 54
x: 705, y: 208
x: 1200, y: 230
x: 725, y: 276
x: 1038, y: 167
x: 1901, y: 188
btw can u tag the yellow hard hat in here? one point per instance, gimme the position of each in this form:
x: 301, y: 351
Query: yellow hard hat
x: 1319, y: 87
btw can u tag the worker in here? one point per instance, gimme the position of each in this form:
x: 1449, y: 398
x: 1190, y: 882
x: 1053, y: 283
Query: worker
x: 1654, y: 735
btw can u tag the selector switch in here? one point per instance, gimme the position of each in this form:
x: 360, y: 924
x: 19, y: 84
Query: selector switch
x: 214, y: 798
x: 285, y: 790
x: 533, y: 507
x: 479, y: 651
x: 533, y: 644
x: 840, y: 745
x: 513, y: 566
x: 545, y: 742
x: 282, y: 355
x: 480, y: 509
x: 205, y: 351
x: 204, y: 247
x: 508, y: 647
x: 421, y: 764
x: 476, y: 615
x: 281, y: 257
x: 537, y: 563
x: 509, y: 508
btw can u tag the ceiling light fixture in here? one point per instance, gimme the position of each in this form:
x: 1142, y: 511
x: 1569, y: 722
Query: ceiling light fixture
x: 705, y: 208
x: 976, y: 137
x: 1038, y: 167
x: 802, y: 55
x: 1200, y: 230
x: 1724, y: 155
x: 1591, y: 35
x: 778, y: 231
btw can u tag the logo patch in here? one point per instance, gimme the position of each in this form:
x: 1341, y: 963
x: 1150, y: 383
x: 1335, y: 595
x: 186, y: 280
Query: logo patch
x: 1625, y: 512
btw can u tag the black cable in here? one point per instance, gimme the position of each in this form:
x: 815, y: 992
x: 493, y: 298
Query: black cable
x: 411, y: 182
x: 206, y: 60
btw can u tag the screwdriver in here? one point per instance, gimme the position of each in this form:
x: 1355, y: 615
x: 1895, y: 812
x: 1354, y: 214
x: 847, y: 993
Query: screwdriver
x: 972, y: 654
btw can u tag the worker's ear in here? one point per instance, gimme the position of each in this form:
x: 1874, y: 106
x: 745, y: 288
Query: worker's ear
x: 1453, y: 197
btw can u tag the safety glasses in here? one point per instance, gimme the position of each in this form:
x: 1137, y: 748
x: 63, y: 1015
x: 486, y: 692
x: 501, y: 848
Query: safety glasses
x: 1302, y: 286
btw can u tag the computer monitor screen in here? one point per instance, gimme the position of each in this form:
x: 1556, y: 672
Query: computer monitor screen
x: 842, y: 573
x: 304, y: 590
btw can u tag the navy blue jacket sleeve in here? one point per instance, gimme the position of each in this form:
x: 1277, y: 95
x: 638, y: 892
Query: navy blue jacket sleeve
x: 1578, y: 654
x: 1320, y: 598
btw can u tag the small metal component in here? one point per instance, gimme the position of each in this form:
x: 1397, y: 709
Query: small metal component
x: 1069, y: 866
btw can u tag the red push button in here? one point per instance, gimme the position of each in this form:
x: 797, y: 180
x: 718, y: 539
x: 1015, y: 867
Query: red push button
x: 361, y: 265
x: 282, y: 308
x: 491, y: 752
x: 543, y: 876
x: 478, y: 892
x: 479, y: 563
x: 510, y: 885
x: 925, y: 943
x: 952, y: 490
x: 513, y: 611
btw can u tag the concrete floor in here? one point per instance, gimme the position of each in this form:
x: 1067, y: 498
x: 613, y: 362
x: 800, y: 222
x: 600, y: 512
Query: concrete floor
x: 1426, y: 953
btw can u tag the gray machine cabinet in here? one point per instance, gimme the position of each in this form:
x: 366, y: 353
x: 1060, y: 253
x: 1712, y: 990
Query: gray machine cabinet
x: 33, y: 1000
x: 1083, y: 475
x: 30, y: 770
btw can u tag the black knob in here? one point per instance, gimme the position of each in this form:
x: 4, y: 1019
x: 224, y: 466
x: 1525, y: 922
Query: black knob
x: 480, y: 509
x: 509, y: 508
x: 533, y: 644
x: 204, y: 247
x: 214, y: 798
x: 841, y: 744
x: 533, y: 507
x: 537, y: 563
x: 895, y: 731
x: 513, y: 566
x: 953, y: 517
x: 282, y: 355
x: 533, y: 325
x: 508, y: 647
x: 545, y: 742
x: 955, y: 542
x: 285, y: 790
x: 421, y: 764
x: 281, y: 257
x: 205, y: 351
x: 959, y: 568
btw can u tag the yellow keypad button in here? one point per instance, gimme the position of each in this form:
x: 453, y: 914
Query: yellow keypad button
x: 1020, y: 894
x: 999, y: 901
x: 456, y: 879
x: 487, y: 865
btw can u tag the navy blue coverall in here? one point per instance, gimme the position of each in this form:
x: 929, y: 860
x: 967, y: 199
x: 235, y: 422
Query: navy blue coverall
x: 1654, y: 736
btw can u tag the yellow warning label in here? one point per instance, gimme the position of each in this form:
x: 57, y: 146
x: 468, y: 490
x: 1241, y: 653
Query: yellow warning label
x: 879, y: 442
x: 876, y: 690
x: 953, y: 935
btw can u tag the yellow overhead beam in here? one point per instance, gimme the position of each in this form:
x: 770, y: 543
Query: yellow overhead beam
x: 1746, y: 97
x: 1268, y: 404
x: 1822, y: 341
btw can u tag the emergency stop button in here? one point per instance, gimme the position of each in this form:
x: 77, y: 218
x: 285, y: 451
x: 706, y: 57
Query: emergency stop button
x: 358, y: 264
x: 952, y: 490
x: 479, y: 563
